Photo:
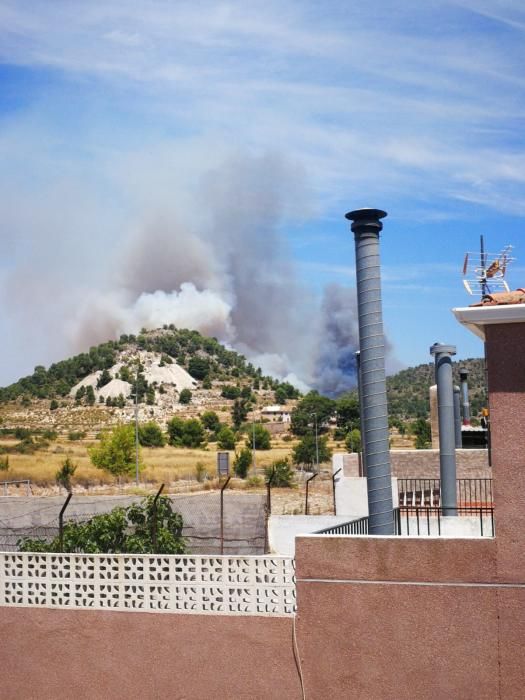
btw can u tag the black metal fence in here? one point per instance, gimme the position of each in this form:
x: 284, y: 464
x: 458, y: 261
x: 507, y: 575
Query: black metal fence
x: 427, y: 521
x: 353, y: 527
x: 419, y: 492
x: 433, y: 521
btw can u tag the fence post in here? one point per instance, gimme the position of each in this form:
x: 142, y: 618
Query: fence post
x: 333, y: 489
x: 223, y: 487
x: 306, y: 499
x: 154, y: 521
x: 61, y: 522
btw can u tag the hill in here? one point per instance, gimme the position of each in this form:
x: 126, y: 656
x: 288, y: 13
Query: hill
x: 172, y: 370
x: 408, y: 390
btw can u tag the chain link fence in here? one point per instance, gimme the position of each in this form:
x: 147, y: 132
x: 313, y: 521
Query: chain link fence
x: 241, y: 529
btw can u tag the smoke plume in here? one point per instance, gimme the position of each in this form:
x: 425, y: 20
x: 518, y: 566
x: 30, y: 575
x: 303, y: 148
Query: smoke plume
x: 233, y: 279
x: 212, y: 257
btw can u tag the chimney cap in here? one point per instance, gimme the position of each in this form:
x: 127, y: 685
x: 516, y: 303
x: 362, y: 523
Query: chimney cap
x: 463, y: 372
x: 366, y: 213
x: 442, y: 349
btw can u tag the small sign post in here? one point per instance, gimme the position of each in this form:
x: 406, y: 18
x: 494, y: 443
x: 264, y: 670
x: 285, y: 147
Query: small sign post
x: 223, y: 463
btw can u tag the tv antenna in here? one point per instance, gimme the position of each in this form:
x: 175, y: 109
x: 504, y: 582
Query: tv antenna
x: 484, y: 273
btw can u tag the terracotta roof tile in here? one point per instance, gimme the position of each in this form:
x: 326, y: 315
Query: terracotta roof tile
x: 503, y: 298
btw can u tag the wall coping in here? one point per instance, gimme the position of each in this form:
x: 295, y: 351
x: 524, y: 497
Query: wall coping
x: 476, y: 318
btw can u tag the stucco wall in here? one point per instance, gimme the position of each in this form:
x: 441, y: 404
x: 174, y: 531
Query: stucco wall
x: 387, y: 618
x: 63, y: 654
x: 410, y: 464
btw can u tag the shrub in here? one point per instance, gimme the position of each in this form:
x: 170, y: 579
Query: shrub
x: 53, y: 405
x: 4, y: 463
x: 353, y: 441
x: 64, y: 474
x: 198, y: 367
x: 121, y: 531
x: 201, y: 473
x: 151, y: 435
x: 75, y: 435
x: 193, y: 433
x: 306, y: 452
x: 259, y: 438
x: 226, y: 438
x: 116, y: 452
x: 175, y: 431
x: 185, y: 396
x: 281, y: 473
x: 230, y: 392
x: 210, y: 421
x: 242, y: 462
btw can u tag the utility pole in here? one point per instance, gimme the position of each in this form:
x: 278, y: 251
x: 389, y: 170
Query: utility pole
x: 254, y: 464
x: 137, y: 425
x: 316, y: 444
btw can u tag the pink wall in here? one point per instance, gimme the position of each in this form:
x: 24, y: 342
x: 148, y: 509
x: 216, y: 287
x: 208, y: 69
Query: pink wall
x: 384, y: 618
x: 63, y: 654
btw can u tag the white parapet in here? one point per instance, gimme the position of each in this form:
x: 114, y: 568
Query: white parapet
x: 283, y: 529
x: 351, y: 496
x: 150, y: 583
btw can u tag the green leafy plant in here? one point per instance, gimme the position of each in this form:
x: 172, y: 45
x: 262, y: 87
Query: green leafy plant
x: 185, y: 396
x: 226, y: 438
x: 306, y: 452
x: 151, y: 435
x: 353, y: 441
x: 281, y: 473
x: 65, y: 473
x: 242, y: 462
x: 141, y: 528
x: 116, y: 451
x: 259, y: 437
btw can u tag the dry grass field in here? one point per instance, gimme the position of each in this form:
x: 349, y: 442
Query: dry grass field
x: 174, y: 467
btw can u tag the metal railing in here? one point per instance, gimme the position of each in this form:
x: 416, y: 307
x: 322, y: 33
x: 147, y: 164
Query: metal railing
x: 353, y: 527
x: 420, y: 492
x: 6, y: 484
x: 428, y: 521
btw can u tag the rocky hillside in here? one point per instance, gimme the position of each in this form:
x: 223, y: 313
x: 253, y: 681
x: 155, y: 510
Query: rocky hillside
x: 408, y: 396
x: 171, y: 370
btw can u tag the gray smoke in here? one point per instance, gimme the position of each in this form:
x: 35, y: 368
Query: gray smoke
x: 231, y: 277
x: 335, y: 370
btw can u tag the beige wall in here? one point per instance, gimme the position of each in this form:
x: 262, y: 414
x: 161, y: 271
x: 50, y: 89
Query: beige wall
x: 410, y: 464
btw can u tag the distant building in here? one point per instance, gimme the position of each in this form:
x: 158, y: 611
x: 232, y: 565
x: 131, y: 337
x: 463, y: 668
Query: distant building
x: 277, y: 414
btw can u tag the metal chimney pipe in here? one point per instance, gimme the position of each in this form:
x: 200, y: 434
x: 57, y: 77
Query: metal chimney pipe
x: 361, y: 413
x: 465, y: 400
x: 447, y: 439
x: 457, y: 417
x: 366, y: 226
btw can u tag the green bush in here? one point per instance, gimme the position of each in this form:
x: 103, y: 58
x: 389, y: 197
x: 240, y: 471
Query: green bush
x: 128, y: 530
x: 353, y: 441
x: 226, y: 438
x: 185, y: 396
x: 116, y: 452
x: 65, y: 473
x: 259, y: 437
x: 280, y: 473
x: 151, y: 435
x: 242, y: 462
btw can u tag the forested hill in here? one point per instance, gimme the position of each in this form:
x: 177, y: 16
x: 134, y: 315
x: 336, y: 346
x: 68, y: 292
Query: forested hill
x: 408, y: 395
x: 204, y: 359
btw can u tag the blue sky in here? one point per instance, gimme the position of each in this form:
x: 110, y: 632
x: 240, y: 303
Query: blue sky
x: 115, y: 112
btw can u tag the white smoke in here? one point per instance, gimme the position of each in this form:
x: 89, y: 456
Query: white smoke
x: 231, y: 276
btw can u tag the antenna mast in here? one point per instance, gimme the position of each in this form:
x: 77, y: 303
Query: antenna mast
x: 480, y: 277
